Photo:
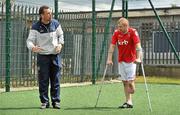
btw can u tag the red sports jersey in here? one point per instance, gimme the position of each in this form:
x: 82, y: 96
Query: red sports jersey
x: 126, y: 44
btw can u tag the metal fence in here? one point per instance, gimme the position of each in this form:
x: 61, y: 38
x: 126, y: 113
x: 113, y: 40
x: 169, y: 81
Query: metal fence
x: 77, y: 62
x: 157, y: 49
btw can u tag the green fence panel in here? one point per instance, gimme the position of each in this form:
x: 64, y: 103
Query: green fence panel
x: 76, y: 53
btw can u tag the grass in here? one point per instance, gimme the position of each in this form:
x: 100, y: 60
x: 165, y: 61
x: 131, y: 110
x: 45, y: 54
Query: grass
x: 80, y: 100
x: 159, y: 80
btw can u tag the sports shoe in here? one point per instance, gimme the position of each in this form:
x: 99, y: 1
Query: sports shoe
x: 44, y: 105
x: 125, y: 105
x: 56, y: 105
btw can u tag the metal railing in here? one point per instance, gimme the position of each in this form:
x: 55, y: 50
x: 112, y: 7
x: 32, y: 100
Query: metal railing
x: 76, y: 54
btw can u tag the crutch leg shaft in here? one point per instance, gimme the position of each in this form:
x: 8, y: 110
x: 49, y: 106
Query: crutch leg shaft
x: 102, y: 82
x: 147, y: 91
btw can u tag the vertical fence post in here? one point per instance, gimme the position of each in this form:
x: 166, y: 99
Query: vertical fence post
x: 8, y: 39
x: 125, y: 8
x: 83, y: 51
x: 56, y: 9
x: 93, y: 42
x: 106, y: 33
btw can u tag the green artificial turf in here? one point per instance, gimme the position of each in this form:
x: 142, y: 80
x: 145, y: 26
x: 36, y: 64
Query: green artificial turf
x: 80, y: 100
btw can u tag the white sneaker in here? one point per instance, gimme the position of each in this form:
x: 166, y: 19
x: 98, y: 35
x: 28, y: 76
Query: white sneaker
x: 56, y: 105
x: 44, y: 105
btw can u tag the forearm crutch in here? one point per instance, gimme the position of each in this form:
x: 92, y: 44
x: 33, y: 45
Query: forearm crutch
x: 102, y: 83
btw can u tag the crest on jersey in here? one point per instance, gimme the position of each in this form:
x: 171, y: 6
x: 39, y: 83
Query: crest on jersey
x: 136, y: 33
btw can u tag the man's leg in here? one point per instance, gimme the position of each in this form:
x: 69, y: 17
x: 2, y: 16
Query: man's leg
x: 127, y: 71
x: 43, y: 78
x: 128, y: 95
x: 131, y: 86
x: 127, y: 92
x: 55, y: 81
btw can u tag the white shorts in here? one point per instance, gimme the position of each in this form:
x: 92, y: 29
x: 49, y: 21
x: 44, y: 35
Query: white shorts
x: 127, y: 71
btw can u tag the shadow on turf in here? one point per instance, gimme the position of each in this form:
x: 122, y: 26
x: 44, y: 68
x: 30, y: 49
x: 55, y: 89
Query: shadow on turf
x: 18, y: 108
x: 91, y: 108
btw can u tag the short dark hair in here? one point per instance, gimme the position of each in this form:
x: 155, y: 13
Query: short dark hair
x: 41, y: 9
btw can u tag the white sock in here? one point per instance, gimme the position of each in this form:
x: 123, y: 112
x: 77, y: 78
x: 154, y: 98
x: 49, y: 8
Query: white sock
x: 130, y: 102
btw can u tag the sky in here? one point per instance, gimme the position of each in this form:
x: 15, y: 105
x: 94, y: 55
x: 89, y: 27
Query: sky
x: 86, y: 5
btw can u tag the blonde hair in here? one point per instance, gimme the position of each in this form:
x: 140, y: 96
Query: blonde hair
x: 123, y: 21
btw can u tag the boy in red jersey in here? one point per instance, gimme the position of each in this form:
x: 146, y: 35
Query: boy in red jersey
x: 129, y: 53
